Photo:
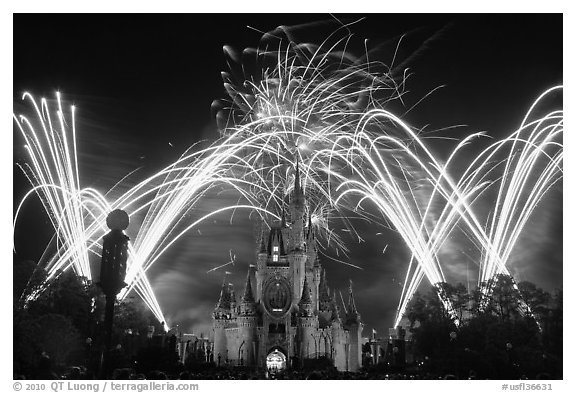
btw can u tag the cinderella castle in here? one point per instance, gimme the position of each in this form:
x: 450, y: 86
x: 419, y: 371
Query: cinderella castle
x: 286, y: 314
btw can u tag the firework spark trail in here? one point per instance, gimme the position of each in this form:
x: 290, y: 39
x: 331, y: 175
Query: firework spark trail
x: 166, y: 196
x: 77, y: 214
x: 303, y: 109
x: 495, y: 251
x: 521, y: 188
x: 305, y: 106
x: 424, y: 244
x: 308, y: 97
x: 533, y: 165
x: 185, y: 182
x: 55, y: 179
x: 332, y: 122
x: 377, y: 179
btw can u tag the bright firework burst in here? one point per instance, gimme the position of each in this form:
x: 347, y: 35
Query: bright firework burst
x: 322, y: 107
x: 78, y: 214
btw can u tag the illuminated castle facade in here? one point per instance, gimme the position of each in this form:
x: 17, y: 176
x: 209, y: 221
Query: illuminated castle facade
x: 286, y: 313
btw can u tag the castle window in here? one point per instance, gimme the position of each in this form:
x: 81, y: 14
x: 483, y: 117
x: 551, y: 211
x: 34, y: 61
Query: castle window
x: 275, y: 256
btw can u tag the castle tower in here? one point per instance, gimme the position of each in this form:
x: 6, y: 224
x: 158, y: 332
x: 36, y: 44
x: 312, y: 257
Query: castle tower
x: 247, y: 319
x: 339, y: 336
x: 297, y: 213
x: 316, y: 278
x: 232, y: 296
x: 307, y: 324
x: 220, y: 318
x: 311, y: 250
x: 290, y: 309
x: 297, y: 245
x: 324, y: 301
x: 354, y: 326
x: 312, y: 263
x: 261, y: 257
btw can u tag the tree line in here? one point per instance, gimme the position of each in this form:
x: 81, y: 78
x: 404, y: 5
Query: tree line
x: 63, y: 320
x: 502, y: 330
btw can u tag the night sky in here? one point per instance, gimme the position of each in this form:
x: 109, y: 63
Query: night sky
x: 143, y: 86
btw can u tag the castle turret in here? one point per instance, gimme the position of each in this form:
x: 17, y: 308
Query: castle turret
x: 354, y: 326
x: 297, y: 212
x: 262, y: 256
x: 248, y: 302
x: 339, y: 337
x: 220, y: 320
x: 232, y: 296
x: 247, y: 325
x: 311, y: 250
x: 305, y: 303
x: 297, y: 260
x: 324, y: 301
x: 336, y: 319
x: 307, y: 324
x: 316, y: 278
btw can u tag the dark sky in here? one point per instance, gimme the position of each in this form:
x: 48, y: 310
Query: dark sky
x: 143, y: 85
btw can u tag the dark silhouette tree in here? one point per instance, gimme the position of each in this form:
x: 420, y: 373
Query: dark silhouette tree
x: 496, y: 337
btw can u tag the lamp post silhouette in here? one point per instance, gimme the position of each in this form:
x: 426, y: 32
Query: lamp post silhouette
x: 453, y: 337
x: 113, y: 271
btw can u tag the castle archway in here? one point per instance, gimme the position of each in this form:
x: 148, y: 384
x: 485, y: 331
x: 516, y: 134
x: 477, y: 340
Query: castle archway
x: 276, y: 361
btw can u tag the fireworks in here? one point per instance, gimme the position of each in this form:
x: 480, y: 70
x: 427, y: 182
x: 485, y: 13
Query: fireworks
x: 78, y: 215
x: 302, y: 109
x: 318, y: 110
x: 53, y: 171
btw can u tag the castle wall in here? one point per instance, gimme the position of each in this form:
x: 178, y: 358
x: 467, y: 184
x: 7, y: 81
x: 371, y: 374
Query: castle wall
x: 220, y: 340
x: 355, y: 358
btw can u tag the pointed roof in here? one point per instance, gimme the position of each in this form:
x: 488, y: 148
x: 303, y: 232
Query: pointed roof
x: 276, y: 238
x: 231, y: 293
x: 335, y: 309
x: 283, y: 224
x: 262, y: 242
x: 351, y: 303
x: 297, y: 186
x: 248, y: 297
x: 298, y: 193
x: 310, y: 230
x: 324, y: 292
x: 225, y: 296
x: 222, y: 299
x: 306, y: 298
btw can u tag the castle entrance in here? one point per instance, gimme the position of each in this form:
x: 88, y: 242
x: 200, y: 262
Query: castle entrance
x: 275, y: 361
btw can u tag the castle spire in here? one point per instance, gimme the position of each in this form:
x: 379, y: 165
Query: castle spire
x: 262, y: 242
x: 310, y: 234
x: 351, y: 303
x: 224, y: 301
x: 297, y: 187
x: 335, y: 310
x: 305, y: 299
x: 324, y: 294
x: 305, y: 303
x: 221, y: 300
x: 297, y: 194
x: 248, y: 297
x: 231, y: 294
